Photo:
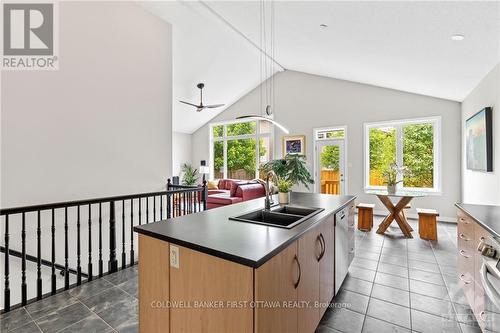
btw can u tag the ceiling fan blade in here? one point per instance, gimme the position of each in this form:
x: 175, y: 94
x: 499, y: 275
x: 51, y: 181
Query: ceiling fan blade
x: 213, y: 106
x: 196, y: 106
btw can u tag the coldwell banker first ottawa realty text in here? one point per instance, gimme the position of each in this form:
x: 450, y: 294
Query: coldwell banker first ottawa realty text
x: 30, y: 32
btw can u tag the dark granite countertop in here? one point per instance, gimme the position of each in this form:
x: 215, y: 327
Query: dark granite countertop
x: 487, y: 216
x: 249, y: 244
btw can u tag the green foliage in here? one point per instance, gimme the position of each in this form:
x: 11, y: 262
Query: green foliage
x: 241, y: 153
x: 284, y: 185
x: 190, y: 176
x: 292, y: 168
x: 418, y: 155
x: 330, y: 158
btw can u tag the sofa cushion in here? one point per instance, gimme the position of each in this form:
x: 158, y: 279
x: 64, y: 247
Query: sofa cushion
x: 210, y: 192
x: 250, y: 191
x: 212, y: 185
x: 223, y: 199
x: 222, y: 184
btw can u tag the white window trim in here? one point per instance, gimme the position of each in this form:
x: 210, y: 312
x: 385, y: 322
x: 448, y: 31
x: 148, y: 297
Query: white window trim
x: 436, y: 121
x: 226, y: 138
x: 344, y: 141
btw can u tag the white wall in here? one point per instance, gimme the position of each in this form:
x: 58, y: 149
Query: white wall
x: 102, y: 124
x: 483, y: 187
x: 181, y: 152
x: 304, y: 102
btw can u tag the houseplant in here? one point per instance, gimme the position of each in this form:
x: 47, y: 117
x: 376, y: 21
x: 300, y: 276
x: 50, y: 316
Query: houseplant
x: 291, y: 169
x: 284, y: 187
x: 190, y: 175
x: 393, y: 176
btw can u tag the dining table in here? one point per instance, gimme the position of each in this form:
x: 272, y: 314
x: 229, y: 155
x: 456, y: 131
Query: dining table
x: 395, y: 208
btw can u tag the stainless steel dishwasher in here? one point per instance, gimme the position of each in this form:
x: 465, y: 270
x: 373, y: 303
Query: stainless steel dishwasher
x: 344, y: 244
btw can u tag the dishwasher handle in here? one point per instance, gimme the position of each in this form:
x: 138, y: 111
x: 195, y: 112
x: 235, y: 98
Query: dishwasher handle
x: 492, y: 294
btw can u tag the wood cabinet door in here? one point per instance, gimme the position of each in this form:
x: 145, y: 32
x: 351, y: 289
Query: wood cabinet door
x: 466, y: 256
x: 309, y: 250
x: 153, y: 285
x: 326, y: 264
x: 210, y: 294
x: 480, y: 304
x: 275, y: 282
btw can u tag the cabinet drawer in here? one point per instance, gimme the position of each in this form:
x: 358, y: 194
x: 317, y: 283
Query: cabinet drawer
x: 464, y: 223
x: 466, y: 273
x: 466, y: 241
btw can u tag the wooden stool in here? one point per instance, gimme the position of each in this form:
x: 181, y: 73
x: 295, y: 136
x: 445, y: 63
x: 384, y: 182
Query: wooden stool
x: 427, y: 223
x: 365, y: 216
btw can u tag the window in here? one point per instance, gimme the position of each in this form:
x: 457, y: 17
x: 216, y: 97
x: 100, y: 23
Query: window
x: 332, y: 133
x: 239, y: 148
x: 414, y: 144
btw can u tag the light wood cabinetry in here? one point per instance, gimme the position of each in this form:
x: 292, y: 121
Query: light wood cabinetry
x: 309, y: 251
x: 288, y: 293
x: 326, y: 264
x: 276, y: 281
x: 210, y: 286
x: 154, y: 268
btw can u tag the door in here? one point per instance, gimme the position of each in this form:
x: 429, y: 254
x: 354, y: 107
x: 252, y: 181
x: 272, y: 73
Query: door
x: 277, y: 281
x: 326, y: 264
x: 330, y: 165
x: 309, y: 253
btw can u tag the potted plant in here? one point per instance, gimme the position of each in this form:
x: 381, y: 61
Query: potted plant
x: 393, y: 176
x: 284, y: 188
x: 190, y: 175
x: 290, y: 170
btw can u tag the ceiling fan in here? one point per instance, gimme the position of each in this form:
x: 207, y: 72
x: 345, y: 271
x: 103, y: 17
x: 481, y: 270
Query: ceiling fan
x: 201, y: 107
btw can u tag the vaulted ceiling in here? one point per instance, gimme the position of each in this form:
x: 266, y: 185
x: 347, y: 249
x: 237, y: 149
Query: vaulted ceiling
x: 403, y: 45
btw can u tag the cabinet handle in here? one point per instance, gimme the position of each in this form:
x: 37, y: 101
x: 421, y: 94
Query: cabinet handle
x: 296, y: 284
x: 481, y: 315
x: 462, y: 253
x: 323, y: 246
x: 462, y: 236
x: 461, y: 277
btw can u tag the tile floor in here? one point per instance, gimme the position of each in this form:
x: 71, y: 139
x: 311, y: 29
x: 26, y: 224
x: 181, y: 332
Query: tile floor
x: 394, y: 285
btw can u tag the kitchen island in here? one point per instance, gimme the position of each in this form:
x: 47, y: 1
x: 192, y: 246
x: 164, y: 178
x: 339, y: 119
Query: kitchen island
x: 205, y: 272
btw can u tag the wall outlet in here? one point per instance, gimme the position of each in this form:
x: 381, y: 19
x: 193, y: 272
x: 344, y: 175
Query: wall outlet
x: 174, y: 256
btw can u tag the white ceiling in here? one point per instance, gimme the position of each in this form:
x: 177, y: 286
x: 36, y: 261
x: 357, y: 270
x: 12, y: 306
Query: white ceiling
x: 399, y: 45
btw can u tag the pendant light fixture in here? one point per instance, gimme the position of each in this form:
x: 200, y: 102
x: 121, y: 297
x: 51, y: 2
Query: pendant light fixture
x: 267, y: 63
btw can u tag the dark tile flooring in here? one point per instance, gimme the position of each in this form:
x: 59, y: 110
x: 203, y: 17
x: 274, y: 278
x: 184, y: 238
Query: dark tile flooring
x: 108, y: 304
x: 394, y: 285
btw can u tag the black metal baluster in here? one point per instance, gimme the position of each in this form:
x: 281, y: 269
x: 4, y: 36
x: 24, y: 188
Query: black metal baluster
x: 100, y: 239
x: 179, y: 199
x: 185, y: 203
x: 169, y: 207
x: 53, y: 267
x: 23, y: 261
x: 89, y: 268
x: 140, y: 213
x: 154, y: 208
x: 66, y: 266
x: 147, y: 210
x: 112, y: 263
x: 6, y: 297
x: 132, y: 254
x: 124, y: 264
x: 205, y: 194
x: 78, y: 250
x: 38, y: 258
x: 161, y: 207
x: 195, y: 200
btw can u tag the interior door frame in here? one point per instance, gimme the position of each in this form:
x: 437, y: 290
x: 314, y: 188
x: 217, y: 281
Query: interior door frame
x: 316, y: 176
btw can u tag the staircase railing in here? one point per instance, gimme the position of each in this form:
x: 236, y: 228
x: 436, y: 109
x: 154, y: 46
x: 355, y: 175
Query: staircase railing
x: 135, y: 209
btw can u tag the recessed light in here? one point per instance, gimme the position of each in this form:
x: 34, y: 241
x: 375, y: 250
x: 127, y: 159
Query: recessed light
x: 457, y: 37
x: 323, y: 26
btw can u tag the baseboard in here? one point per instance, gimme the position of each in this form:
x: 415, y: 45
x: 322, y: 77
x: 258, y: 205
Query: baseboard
x: 415, y: 216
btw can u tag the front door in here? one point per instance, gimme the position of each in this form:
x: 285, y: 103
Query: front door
x: 329, y: 173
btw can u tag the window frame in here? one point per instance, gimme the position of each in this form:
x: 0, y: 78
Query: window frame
x: 435, y: 121
x: 225, y: 138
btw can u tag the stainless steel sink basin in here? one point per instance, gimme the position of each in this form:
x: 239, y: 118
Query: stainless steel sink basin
x: 280, y: 216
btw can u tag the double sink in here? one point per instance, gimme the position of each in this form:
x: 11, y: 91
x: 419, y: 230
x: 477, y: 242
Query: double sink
x: 286, y: 216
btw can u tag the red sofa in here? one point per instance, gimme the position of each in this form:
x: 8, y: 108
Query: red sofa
x: 233, y: 191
